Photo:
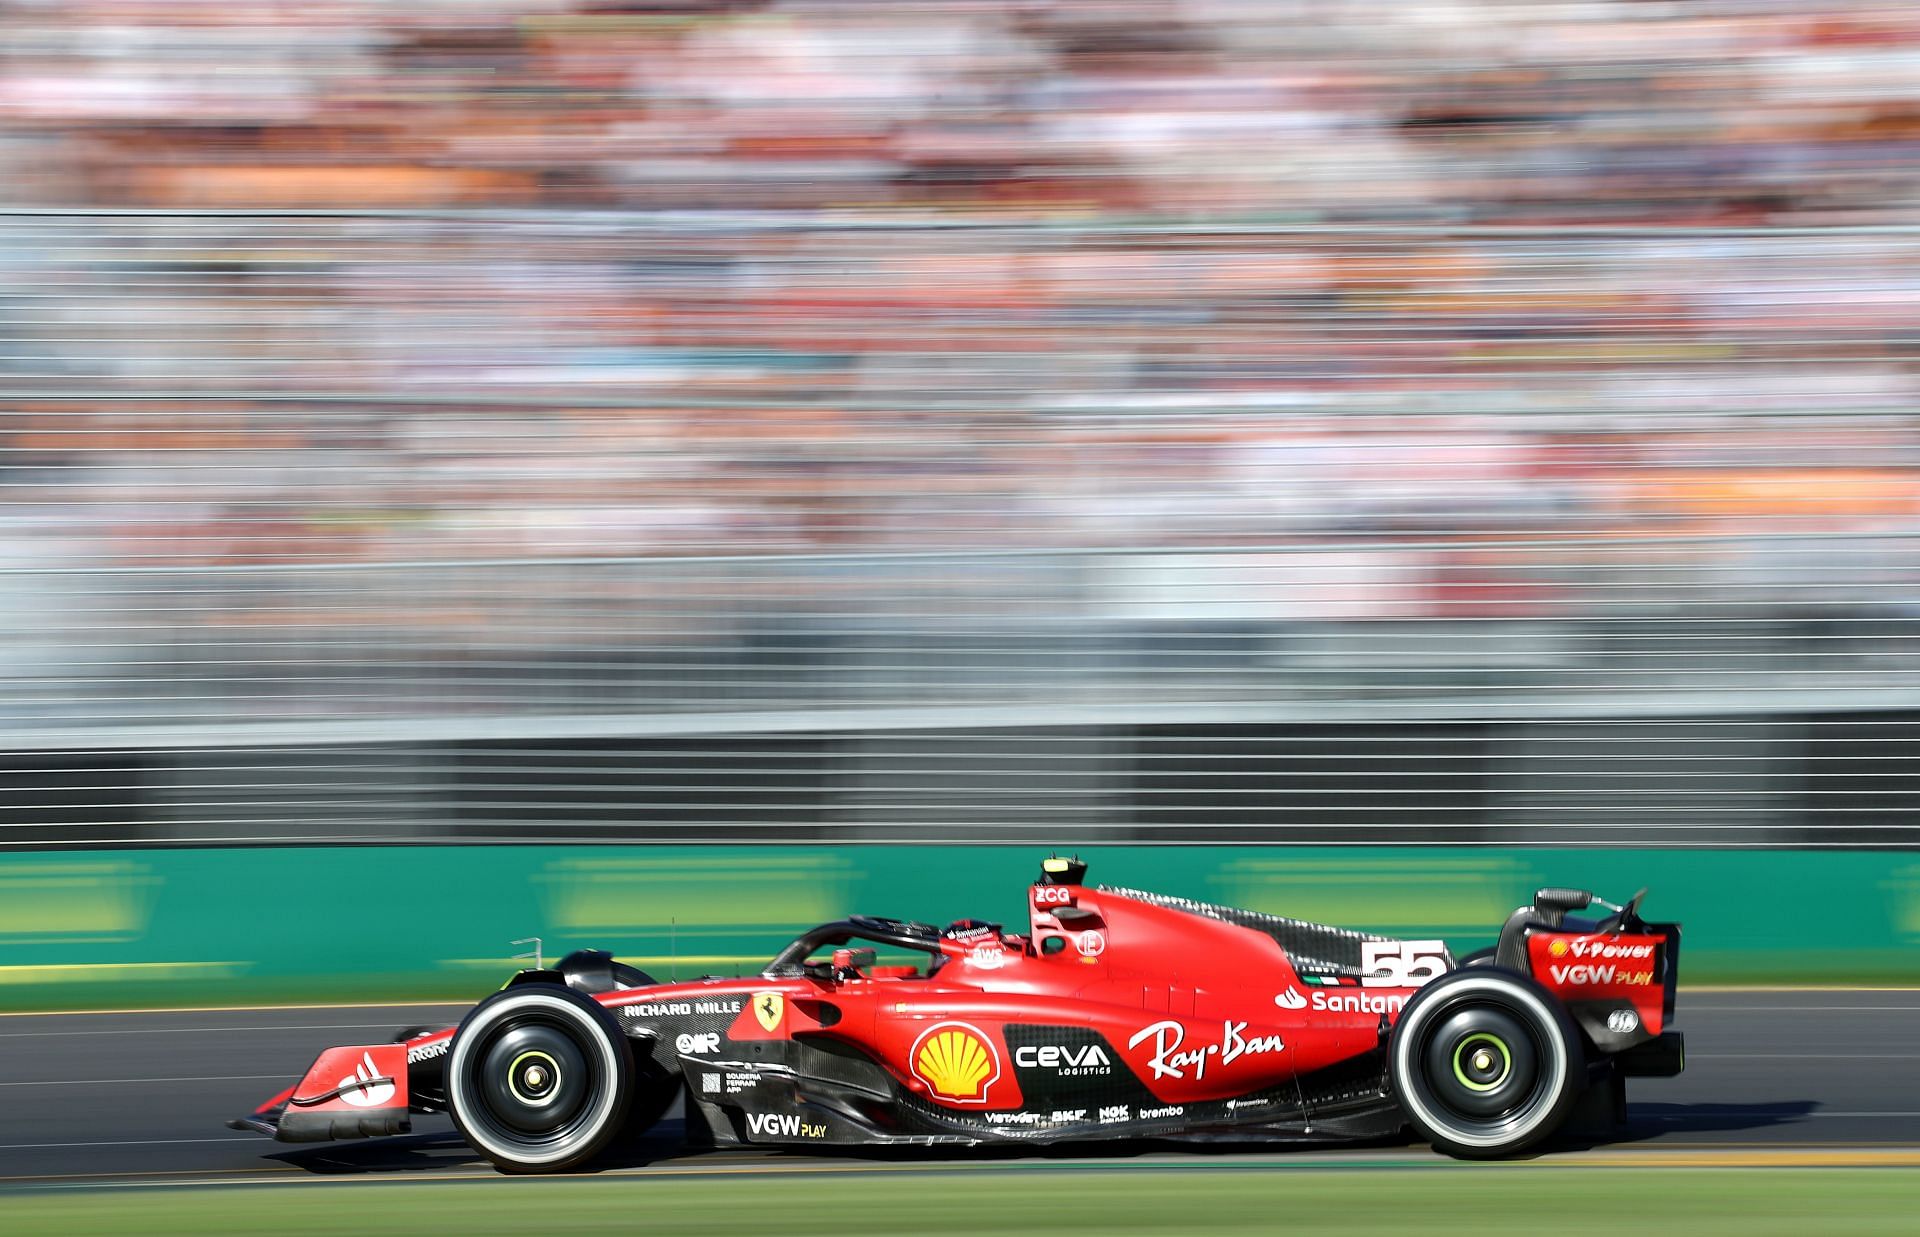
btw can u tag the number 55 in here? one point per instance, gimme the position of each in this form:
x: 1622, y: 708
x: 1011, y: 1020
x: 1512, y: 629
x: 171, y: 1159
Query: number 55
x: 1401, y: 964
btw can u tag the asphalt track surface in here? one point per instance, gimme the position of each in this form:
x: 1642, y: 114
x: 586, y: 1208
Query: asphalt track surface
x: 1774, y: 1076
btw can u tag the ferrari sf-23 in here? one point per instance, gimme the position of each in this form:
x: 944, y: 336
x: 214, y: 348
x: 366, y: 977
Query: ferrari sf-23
x: 1117, y: 1014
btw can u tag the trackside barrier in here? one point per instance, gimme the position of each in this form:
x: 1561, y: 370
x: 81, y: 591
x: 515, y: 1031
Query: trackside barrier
x: 137, y: 929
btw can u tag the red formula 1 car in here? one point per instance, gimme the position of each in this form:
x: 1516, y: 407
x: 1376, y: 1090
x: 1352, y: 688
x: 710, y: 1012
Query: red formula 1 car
x: 1117, y: 1014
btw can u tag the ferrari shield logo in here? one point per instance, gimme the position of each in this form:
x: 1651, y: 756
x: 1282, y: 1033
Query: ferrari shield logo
x: 769, y: 1008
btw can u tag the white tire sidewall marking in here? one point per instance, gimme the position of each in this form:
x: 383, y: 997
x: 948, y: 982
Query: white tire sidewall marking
x: 461, y: 1101
x: 1408, y: 1035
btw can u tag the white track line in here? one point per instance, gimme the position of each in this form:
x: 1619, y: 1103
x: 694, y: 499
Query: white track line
x: 1701, y: 1054
x: 246, y: 1009
x: 1803, y: 1009
x: 1707, y: 1110
x: 130, y: 1142
x: 321, y: 1026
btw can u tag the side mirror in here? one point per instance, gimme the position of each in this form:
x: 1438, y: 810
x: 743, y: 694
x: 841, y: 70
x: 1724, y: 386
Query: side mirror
x: 1562, y: 900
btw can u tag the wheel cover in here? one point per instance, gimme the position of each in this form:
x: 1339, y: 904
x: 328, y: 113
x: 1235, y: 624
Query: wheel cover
x: 1482, y: 1062
x: 533, y: 1077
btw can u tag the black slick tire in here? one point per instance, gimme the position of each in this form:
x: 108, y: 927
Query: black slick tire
x: 539, y: 1079
x: 1486, y: 1063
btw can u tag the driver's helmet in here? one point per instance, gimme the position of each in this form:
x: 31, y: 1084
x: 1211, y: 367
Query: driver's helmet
x: 971, y: 931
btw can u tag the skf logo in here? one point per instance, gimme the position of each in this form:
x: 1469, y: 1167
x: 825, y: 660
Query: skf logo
x: 1558, y: 949
x: 769, y: 1008
x: 360, y: 1089
x: 956, y: 1062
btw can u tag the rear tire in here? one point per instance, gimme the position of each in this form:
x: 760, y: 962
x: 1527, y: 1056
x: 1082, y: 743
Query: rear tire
x: 539, y: 1079
x: 1486, y: 1063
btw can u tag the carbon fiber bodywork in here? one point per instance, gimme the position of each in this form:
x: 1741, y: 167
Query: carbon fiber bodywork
x: 1313, y: 948
x: 832, y: 1093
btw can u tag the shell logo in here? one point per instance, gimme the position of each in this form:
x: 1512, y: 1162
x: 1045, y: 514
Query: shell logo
x: 1558, y: 949
x: 956, y: 1062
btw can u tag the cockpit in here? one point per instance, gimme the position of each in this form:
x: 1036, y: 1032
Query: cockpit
x: 848, y: 950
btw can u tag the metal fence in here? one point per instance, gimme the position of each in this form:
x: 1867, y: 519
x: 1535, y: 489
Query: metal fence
x: 534, y: 648
x: 403, y: 526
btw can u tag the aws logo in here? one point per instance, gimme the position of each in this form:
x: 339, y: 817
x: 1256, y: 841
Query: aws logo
x: 956, y: 1062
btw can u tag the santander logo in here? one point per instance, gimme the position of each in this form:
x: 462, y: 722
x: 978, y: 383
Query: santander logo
x: 1290, y: 999
x: 360, y: 1089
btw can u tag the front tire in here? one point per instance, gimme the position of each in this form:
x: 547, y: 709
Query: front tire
x: 539, y: 1079
x: 1485, y: 1063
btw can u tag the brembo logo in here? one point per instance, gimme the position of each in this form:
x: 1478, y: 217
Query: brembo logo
x: 360, y: 1089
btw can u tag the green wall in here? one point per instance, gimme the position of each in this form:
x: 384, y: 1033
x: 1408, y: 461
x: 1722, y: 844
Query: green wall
x: 138, y: 929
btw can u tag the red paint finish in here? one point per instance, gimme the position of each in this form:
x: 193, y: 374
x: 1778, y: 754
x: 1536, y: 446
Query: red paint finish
x: 1196, y: 1007
x: 1595, y: 966
x: 355, y: 1079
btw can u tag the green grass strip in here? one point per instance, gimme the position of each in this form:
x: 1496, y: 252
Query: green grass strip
x: 1521, y: 1199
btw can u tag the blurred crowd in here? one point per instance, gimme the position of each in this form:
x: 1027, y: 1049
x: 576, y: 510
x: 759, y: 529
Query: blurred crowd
x: 1504, y: 291
x: 1712, y: 111
x: 244, y: 390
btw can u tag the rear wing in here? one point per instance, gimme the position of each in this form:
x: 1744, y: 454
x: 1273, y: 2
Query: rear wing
x: 1617, y: 976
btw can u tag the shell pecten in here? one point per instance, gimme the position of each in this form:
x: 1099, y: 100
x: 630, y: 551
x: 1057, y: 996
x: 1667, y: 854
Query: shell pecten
x: 956, y: 1063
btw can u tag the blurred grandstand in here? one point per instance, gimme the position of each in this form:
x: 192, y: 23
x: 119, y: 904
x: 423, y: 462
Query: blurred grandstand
x: 1193, y: 420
